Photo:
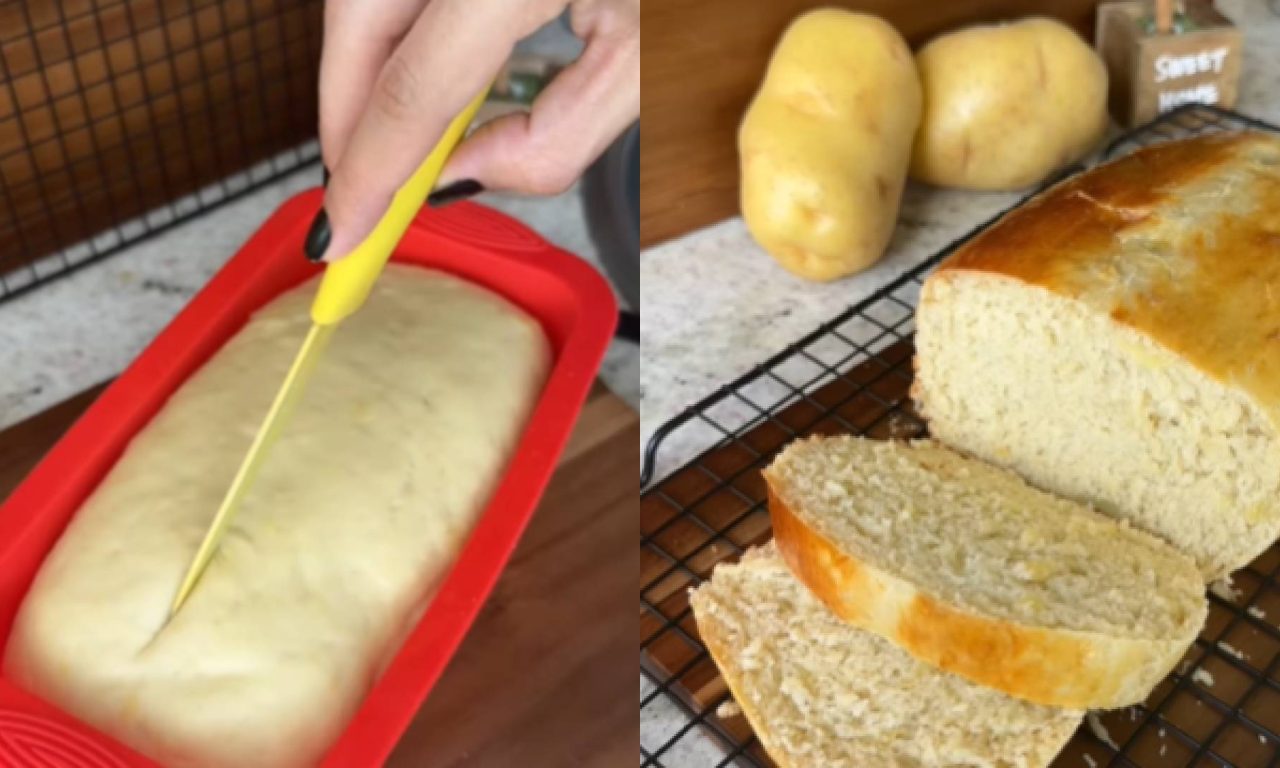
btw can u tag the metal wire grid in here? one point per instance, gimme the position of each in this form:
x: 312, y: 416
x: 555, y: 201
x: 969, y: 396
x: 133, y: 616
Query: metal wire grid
x: 182, y: 105
x: 851, y: 375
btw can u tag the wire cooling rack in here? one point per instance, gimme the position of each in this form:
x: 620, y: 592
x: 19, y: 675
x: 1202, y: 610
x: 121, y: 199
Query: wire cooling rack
x: 120, y: 119
x: 1221, y: 706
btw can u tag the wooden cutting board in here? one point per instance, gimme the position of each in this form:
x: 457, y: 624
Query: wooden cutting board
x: 545, y: 676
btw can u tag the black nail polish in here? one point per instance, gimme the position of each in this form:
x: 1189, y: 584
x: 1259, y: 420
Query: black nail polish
x: 458, y: 190
x: 628, y: 326
x: 317, y: 237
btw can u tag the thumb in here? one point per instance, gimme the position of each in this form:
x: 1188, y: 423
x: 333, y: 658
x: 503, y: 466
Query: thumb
x: 426, y: 81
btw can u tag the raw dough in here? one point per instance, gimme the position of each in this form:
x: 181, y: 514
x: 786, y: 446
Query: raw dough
x: 359, y: 513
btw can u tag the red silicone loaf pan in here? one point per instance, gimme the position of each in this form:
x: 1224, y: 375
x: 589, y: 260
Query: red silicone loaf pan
x: 577, y: 311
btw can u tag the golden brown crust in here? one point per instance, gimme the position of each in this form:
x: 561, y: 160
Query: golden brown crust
x: 1063, y: 668
x: 1043, y: 733
x: 1021, y: 661
x: 825, y: 570
x: 1176, y: 241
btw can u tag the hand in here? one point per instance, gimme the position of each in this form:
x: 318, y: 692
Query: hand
x: 393, y: 73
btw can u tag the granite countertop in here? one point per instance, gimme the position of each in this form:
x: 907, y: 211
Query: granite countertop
x: 715, y: 304
x: 84, y: 328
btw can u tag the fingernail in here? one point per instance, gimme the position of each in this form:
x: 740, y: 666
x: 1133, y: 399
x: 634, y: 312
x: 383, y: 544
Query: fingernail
x: 317, y: 237
x: 628, y: 326
x: 452, y: 193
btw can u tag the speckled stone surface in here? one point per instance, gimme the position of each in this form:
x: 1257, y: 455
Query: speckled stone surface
x: 84, y: 328
x: 715, y: 304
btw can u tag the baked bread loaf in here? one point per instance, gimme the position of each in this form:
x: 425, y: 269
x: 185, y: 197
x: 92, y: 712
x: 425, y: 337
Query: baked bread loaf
x: 820, y: 692
x: 1117, y: 341
x: 356, y: 517
x: 969, y: 569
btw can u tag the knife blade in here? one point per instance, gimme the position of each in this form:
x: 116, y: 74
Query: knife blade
x: 343, y: 289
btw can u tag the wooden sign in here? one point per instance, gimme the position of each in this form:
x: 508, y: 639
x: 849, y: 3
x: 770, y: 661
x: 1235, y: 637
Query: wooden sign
x: 1195, y: 59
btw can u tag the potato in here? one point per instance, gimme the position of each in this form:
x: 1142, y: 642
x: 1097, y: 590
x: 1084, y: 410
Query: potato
x: 1006, y: 105
x: 825, y: 144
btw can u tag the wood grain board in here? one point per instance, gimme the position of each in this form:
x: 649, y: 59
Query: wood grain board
x: 544, y: 677
x: 702, y: 63
x: 712, y: 509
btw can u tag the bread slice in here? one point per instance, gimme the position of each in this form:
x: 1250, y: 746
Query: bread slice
x: 820, y: 692
x: 1117, y: 341
x: 970, y: 569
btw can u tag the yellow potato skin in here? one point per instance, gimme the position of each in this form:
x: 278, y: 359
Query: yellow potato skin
x: 825, y: 144
x: 1006, y: 105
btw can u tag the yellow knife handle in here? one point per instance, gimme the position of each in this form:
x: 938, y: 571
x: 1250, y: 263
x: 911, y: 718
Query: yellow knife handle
x: 347, y: 282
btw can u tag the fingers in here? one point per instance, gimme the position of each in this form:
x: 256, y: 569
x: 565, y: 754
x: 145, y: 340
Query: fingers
x: 450, y: 53
x: 573, y: 121
x: 358, y: 39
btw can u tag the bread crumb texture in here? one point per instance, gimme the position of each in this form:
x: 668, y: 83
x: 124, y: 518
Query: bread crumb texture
x: 1224, y: 589
x: 976, y: 536
x: 355, y: 518
x: 727, y: 709
x: 1227, y: 648
x: 968, y: 568
x: 1095, y: 725
x: 1137, y: 308
x: 820, y: 692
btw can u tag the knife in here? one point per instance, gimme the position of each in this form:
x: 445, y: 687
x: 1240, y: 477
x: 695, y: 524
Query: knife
x: 343, y: 289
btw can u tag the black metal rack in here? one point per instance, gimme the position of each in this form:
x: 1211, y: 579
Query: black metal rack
x: 851, y: 375
x: 121, y: 119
